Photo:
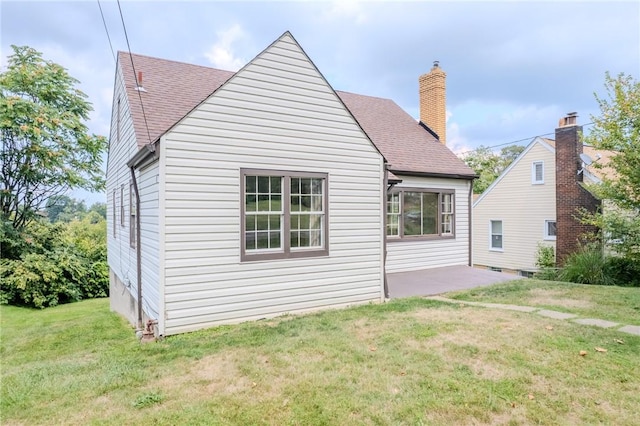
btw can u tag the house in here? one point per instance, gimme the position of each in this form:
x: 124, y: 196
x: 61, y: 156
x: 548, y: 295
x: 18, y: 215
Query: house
x: 535, y: 201
x: 240, y: 196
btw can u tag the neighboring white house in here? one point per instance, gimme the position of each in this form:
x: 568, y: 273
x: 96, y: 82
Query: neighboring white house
x: 239, y: 196
x: 519, y: 211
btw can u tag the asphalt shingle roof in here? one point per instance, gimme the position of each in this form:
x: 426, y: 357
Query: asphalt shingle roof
x: 172, y: 89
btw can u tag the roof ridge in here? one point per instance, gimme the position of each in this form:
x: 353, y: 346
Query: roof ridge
x: 173, y: 61
x: 365, y: 96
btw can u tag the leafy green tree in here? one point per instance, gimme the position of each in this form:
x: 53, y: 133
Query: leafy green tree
x: 617, y: 129
x: 100, y: 208
x: 62, y: 208
x: 53, y: 263
x: 488, y: 164
x: 46, y: 148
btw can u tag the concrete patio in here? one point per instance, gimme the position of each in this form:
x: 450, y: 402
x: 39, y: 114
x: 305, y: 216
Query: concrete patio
x: 429, y: 282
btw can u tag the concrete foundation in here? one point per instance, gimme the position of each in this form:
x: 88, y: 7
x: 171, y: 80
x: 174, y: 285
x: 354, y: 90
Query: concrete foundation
x: 121, y: 299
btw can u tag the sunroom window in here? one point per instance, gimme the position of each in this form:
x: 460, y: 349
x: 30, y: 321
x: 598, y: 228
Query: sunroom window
x: 420, y: 213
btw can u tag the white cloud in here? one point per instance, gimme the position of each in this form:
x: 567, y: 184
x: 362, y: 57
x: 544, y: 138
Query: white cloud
x: 347, y: 9
x: 221, y: 54
x: 456, y: 142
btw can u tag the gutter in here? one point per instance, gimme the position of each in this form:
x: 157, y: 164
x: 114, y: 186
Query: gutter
x: 145, y: 155
x: 138, y: 246
x: 434, y: 175
x: 470, y: 222
x: 386, y: 187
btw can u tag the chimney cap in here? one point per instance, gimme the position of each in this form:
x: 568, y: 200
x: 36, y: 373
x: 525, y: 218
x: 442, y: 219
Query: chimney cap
x: 572, y: 114
x: 436, y: 64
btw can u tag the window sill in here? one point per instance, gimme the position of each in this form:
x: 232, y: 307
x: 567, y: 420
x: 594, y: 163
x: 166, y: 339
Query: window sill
x: 420, y: 238
x: 497, y: 250
x: 256, y: 257
x: 549, y: 238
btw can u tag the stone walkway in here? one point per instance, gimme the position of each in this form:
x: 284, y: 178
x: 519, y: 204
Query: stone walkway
x: 631, y: 329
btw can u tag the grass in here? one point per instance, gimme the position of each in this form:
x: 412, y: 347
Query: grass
x: 411, y: 361
x: 618, y: 304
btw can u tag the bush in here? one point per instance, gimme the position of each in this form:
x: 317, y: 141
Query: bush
x: 623, y: 271
x: 586, y: 266
x: 546, y: 263
x: 49, y: 264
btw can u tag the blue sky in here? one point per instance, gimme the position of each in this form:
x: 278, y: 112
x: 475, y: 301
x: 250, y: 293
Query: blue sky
x: 513, y: 68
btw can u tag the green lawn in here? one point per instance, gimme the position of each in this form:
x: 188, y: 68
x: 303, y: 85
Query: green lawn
x: 619, y: 304
x: 411, y: 361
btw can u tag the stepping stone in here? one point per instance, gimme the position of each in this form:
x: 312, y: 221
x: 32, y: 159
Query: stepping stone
x: 509, y: 307
x: 555, y: 314
x: 596, y: 322
x: 631, y: 329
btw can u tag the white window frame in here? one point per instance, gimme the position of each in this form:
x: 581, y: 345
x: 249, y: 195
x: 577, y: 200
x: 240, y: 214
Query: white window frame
x: 491, y: 234
x: 534, y: 175
x: 547, y: 236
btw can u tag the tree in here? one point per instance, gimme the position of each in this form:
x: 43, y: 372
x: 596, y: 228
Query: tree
x: 488, y: 165
x: 46, y: 148
x: 62, y: 208
x: 617, y: 129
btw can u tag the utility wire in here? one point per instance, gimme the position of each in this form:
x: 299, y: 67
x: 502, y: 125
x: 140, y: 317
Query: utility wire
x: 135, y: 75
x: 516, y: 142
x: 107, y: 31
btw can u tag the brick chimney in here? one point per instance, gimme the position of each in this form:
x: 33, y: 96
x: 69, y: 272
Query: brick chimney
x: 570, y: 194
x: 433, y: 101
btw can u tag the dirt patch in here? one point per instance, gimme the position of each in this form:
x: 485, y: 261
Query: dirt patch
x: 541, y: 296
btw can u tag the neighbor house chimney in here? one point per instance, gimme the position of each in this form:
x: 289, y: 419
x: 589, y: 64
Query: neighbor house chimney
x: 571, y: 196
x: 433, y: 101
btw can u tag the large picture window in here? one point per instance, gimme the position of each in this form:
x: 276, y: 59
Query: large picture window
x: 420, y: 213
x: 284, y: 214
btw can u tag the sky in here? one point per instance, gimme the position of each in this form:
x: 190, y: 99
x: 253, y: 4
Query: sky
x: 513, y: 68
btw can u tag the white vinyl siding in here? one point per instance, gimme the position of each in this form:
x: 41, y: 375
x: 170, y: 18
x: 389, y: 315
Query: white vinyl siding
x: 523, y: 209
x: 275, y: 114
x: 121, y: 255
x: 406, y: 255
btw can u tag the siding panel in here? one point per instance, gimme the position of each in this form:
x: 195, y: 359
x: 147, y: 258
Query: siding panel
x: 522, y: 207
x: 406, y: 255
x: 277, y: 113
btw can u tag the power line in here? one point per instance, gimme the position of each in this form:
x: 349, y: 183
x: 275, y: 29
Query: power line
x: 135, y: 75
x: 516, y: 142
x: 107, y: 31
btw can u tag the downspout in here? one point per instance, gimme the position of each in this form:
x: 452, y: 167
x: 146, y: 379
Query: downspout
x: 385, y: 184
x: 138, y: 245
x: 470, y: 221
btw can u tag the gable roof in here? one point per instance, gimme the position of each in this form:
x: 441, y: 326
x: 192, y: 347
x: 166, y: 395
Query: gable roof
x: 408, y: 146
x: 172, y: 89
x: 594, y: 174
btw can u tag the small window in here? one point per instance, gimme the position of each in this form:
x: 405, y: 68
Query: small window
x: 526, y: 274
x: 496, y: 235
x: 122, y: 205
x: 115, y: 217
x: 494, y: 269
x: 118, y: 122
x: 133, y: 210
x: 537, y: 172
x: 393, y: 214
x: 550, y: 229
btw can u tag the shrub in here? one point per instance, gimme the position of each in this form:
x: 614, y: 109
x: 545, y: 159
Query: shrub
x: 57, y: 263
x: 586, y: 266
x: 546, y: 263
x: 623, y: 271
